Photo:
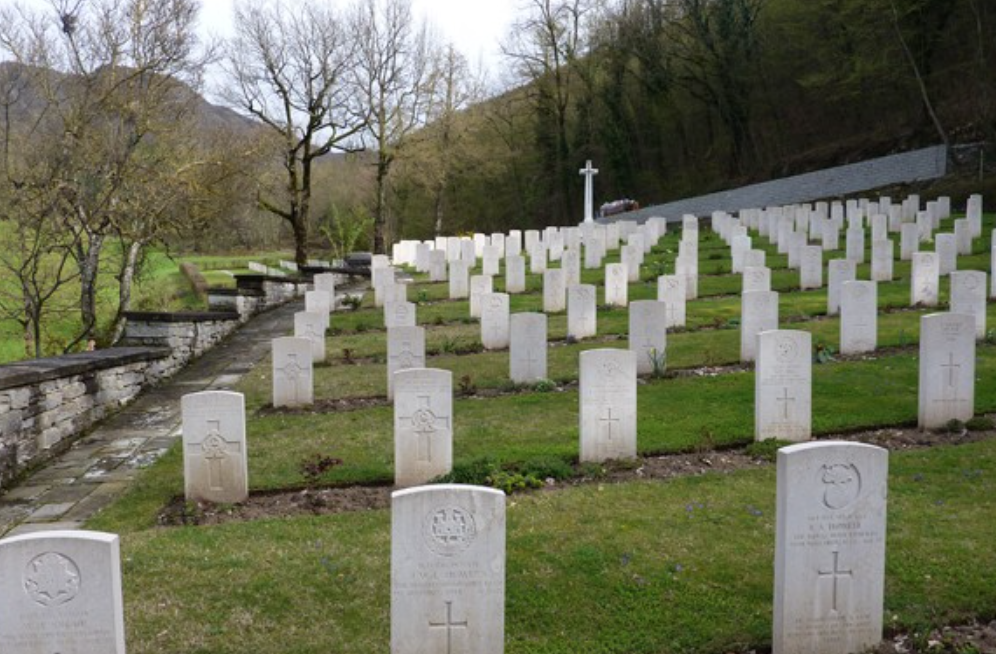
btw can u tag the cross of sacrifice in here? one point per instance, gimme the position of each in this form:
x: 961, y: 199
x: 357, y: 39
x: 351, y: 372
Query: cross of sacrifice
x: 589, y: 175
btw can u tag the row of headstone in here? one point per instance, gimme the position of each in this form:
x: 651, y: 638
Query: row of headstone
x: 61, y: 591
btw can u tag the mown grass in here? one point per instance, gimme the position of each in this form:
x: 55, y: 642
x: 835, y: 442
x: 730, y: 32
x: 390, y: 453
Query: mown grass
x: 634, y: 568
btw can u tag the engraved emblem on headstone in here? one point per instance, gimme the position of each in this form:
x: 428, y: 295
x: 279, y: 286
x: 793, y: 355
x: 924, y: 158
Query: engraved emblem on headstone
x: 449, y: 625
x: 786, y: 349
x: 449, y: 530
x: 842, y: 485
x: 51, y: 579
x: 291, y: 370
x: 425, y: 423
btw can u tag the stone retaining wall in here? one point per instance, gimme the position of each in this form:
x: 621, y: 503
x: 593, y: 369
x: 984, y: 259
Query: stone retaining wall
x: 46, y: 402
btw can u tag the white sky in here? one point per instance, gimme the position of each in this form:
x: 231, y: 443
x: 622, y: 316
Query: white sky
x: 475, y: 27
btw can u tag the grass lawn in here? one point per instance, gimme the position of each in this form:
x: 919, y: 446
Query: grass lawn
x: 643, y: 567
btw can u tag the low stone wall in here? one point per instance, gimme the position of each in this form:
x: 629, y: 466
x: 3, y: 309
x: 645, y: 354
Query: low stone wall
x: 45, y: 402
x: 185, y: 335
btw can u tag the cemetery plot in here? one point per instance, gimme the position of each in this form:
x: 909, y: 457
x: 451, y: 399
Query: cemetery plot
x: 716, y: 532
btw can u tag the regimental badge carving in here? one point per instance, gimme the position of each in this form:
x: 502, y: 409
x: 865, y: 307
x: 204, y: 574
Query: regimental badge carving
x: 786, y: 349
x: 841, y: 485
x: 51, y: 579
x: 449, y: 530
x: 611, y: 369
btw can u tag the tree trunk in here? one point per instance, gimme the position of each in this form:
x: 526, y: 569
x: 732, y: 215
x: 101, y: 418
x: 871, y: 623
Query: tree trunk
x: 89, y: 265
x: 380, y: 210
x: 124, y: 288
x: 300, y: 226
x: 439, y: 210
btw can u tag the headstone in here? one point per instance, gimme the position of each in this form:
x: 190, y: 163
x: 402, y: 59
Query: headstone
x: 608, y: 404
x: 448, y: 570
x: 459, y: 278
x: 963, y: 236
x: 616, y: 285
x: 423, y: 425
x: 479, y: 285
x: 570, y: 263
x: 438, y: 262
x: 312, y: 327
x: 527, y: 347
x: 759, y: 313
x: 856, y: 245
x: 319, y: 303
x: 405, y: 350
x: 909, y: 241
x: 494, y: 320
x: 829, y: 548
x: 513, y: 245
x: 325, y: 282
x: 756, y: 278
x: 924, y: 280
x: 631, y: 257
x: 783, y: 383
x: 648, y: 334
x: 215, y: 463
x: 537, y: 259
x: 755, y: 259
x: 515, y: 274
x: 582, y: 312
x: 883, y: 254
x: 947, y: 253
x: 947, y: 369
x: 968, y: 295
x: 858, y: 317
x: 671, y: 291
x: 399, y: 314
x: 838, y: 272
x: 292, y: 372
x: 593, y: 251
x: 60, y: 593
x: 811, y: 267
x: 554, y: 291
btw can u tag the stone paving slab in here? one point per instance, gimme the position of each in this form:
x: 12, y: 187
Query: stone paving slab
x: 97, y: 469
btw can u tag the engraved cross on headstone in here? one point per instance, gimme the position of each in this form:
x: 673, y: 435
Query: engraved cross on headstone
x: 951, y: 367
x: 785, y: 399
x: 449, y: 625
x: 609, y: 420
x: 405, y: 358
x: 215, y: 451
x: 836, y: 574
x: 425, y: 423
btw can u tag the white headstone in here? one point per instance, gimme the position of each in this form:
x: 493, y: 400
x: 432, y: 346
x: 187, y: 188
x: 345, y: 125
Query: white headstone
x: 537, y: 259
x: 838, y: 272
x: 479, y: 285
x: 554, y: 291
x: 459, y: 278
x: 490, y: 260
x: 759, y: 313
x: 312, y: 327
x: 582, y: 311
x: 423, y: 425
x: 963, y: 236
x: 515, y: 274
x: 438, y: 262
x: 909, y: 241
x: 60, y: 593
x: 947, y: 253
x: 883, y: 254
x: 319, y: 303
x: 829, y: 548
x: 811, y: 267
x: 616, y: 285
x: 858, y: 317
x: 215, y: 462
x: 968, y: 295
x: 783, y: 383
x: 671, y: 291
x: 924, y: 280
x: 570, y: 263
x: 494, y: 320
x: 326, y: 282
x: 527, y: 347
x: 399, y: 314
x: 648, y: 334
x: 631, y: 257
x: 448, y: 570
x: 947, y: 369
x: 405, y: 350
x: 608, y: 404
x: 756, y: 278
x: 856, y: 245
x: 292, y: 372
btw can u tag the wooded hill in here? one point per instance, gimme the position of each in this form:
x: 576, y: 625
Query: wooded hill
x: 673, y: 98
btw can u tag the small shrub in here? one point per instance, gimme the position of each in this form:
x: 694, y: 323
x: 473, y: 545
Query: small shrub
x: 953, y: 426
x: 511, y: 482
x: 990, y: 338
x: 980, y: 423
x: 547, y: 467
x: 469, y: 472
x: 591, y: 470
x: 823, y: 353
x: 450, y: 345
x: 352, y: 302
x: 422, y: 297
x: 545, y: 386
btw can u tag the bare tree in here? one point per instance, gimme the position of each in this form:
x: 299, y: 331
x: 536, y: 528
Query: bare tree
x: 395, y: 78
x: 106, y: 83
x: 292, y: 69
